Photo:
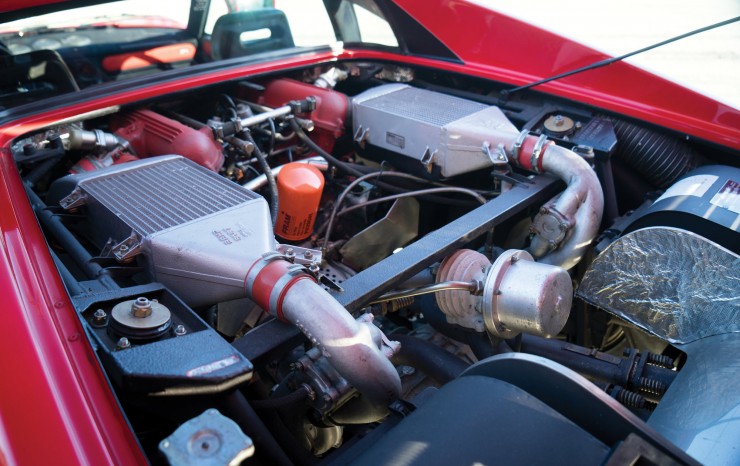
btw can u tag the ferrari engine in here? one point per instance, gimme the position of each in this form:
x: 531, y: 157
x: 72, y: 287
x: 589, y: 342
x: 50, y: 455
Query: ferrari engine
x: 332, y: 270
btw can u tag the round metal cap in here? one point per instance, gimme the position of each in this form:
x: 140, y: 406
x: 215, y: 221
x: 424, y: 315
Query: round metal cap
x: 127, y: 318
x: 521, y: 295
x: 559, y: 125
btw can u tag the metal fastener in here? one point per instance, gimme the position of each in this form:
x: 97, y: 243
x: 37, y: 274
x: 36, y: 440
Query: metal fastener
x: 123, y: 343
x: 141, y: 307
x: 99, y: 317
x: 180, y: 330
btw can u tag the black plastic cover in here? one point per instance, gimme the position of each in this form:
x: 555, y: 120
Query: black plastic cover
x: 706, y: 201
x: 482, y: 420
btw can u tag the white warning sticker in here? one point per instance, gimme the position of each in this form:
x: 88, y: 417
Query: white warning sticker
x: 728, y: 196
x: 696, y: 185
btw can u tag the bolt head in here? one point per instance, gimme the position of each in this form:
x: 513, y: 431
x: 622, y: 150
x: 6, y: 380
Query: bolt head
x: 99, y: 316
x: 123, y: 343
x: 180, y: 330
x: 308, y: 254
x: 141, y: 307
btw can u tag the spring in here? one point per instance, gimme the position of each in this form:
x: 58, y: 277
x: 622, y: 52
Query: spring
x: 651, y: 386
x: 396, y: 304
x: 660, y: 360
x: 631, y: 399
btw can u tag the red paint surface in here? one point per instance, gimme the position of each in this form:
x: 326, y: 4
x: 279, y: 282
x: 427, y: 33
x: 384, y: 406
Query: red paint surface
x: 499, y: 47
x: 55, y: 403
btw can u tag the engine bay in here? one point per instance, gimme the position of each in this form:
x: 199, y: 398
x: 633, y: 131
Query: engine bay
x: 334, y: 264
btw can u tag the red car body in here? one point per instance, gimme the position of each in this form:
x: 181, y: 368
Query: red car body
x: 56, y: 406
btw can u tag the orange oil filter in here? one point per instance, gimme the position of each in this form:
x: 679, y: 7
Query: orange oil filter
x: 299, y: 192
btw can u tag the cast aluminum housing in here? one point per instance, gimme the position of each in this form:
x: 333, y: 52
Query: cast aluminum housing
x: 455, y: 134
x: 197, y: 232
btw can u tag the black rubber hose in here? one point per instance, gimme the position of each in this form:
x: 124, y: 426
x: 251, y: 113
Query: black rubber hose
x: 238, y: 408
x: 73, y: 286
x: 271, y: 183
x: 282, y: 402
x: 439, y: 364
x: 71, y: 245
x: 660, y: 158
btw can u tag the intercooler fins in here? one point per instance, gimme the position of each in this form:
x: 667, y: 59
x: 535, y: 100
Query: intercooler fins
x: 196, y: 232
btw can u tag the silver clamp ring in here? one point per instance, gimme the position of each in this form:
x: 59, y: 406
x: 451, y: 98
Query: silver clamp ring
x: 517, y: 147
x: 537, y: 152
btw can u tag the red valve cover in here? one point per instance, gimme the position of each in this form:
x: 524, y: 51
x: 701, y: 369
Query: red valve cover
x: 331, y: 107
x: 151, y: 134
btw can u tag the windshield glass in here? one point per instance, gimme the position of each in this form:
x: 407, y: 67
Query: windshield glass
x: 117, y: 40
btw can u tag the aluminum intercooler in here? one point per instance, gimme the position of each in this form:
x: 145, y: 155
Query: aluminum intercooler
x: 196, y: 232
x: 456, y: 135
x: 205, y: 238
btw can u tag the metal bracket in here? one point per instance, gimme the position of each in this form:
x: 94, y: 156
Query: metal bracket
x: 497, y: 157
x: 128, y: 248
x: 74, y: 199
x: 361, y: 136
x: 427, y: 159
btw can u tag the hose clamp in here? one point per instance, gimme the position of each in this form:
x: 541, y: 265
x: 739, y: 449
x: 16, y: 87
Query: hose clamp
x: 517, y: 147
x: 537, y: 153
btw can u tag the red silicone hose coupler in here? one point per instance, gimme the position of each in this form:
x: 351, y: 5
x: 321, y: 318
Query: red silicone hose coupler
x: 299, y: 193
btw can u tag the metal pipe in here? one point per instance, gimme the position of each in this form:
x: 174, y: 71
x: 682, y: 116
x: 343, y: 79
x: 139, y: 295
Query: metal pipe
x: 472, y: 287
x: 582, y: 201
x: 260, y: 181
x: 352, y: 347
x: 262, y: 117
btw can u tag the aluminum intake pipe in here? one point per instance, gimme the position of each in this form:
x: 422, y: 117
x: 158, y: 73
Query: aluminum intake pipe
x: 357, y: 349
x: 565, y: 226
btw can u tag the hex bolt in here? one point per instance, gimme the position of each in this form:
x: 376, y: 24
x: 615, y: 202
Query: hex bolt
x: 314, y: 267
x: 141, y: 307
x: 290, y: 254
x: 308, y: 255
x: 180, y: 330
x: 123, y: 343
x: 99, y: 317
